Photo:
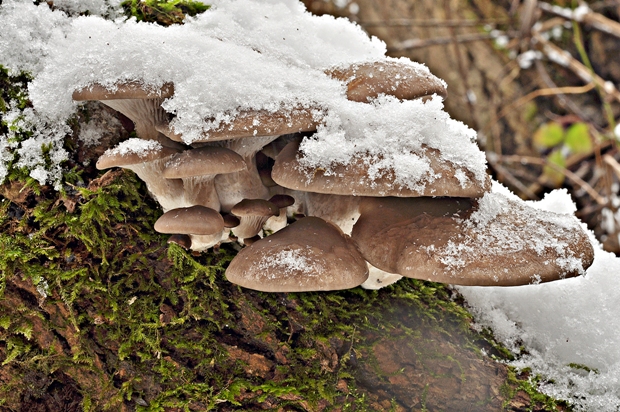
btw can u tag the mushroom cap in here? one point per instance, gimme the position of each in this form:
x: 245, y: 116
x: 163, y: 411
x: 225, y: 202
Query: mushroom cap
x: 207, y: 160
x: 125, y: 90
x: 195, y: 220
x: 251, y: 123
x: 133, y: 151
x: 255, y: 207
x: 282, y: 201
x: 182, y: 240
x: 308, y: 255
x: 493, y: 241
x: 403, y: 80
x: 354, y: 178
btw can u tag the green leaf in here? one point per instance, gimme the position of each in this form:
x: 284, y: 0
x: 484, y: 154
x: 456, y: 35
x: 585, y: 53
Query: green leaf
x: 554, y: 176
x: 578, y: 139
x: 548, y: 135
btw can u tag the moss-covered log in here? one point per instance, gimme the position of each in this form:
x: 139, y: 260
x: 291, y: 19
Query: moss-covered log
x: 98, y: 313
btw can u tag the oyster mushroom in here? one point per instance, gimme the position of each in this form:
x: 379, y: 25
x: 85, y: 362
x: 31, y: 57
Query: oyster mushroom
x: 139, y: 103
x: 147, y: 158
x: 354, y: 178
x: 400, y: 78
x: 204, y: 225
x: 279, y: 221
x: 252, y: 214
x: 492, y: 241
x: 197, y: 168
x: 308, y: 255
x: 254, y: 123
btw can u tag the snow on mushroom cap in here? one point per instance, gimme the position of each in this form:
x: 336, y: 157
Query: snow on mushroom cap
x: 251, y: 55
x: 133, y: 150
x: 278, y: 51
x: 390, y: 135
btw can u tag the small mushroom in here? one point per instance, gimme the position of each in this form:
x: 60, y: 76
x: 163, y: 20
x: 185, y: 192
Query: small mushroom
x: 197, y: 168
x: 252, y: 214
x: 493, y: 241
x: 400, y: 78
x: 354, y: 178
x: 279, y: 221
x: 308, y: 255
x: 147, y: 159
x: 204, y: 225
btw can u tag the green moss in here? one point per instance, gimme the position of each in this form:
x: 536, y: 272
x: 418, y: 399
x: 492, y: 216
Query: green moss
x: 165, y: 12
x: 527, y: 383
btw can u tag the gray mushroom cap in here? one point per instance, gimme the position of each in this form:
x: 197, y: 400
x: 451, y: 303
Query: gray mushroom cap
x: 252, y: 214
x: 308, y: 255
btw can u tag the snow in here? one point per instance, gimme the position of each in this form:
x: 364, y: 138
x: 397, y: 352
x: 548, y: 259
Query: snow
x: 390, y: 139
x: 293, y: 262
x: 562, y: 323
x: 134, y: 145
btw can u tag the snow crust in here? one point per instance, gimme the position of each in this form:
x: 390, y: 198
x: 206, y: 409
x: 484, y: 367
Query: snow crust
x: 570, y: 322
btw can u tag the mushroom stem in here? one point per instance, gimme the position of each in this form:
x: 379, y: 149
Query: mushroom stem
x: 343, y: 211
x: 232, y: 188
x: 145, y: 113
x: 200, y: 190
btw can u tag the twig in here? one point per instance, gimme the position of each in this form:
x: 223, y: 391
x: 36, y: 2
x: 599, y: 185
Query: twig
x: 421, y: 43
x: 492, y: 158
x: 461, y: 67
x: 613, y: 163
x: 589, y: 17
x: 432, y: 23
x: 570, y: 175
x: 561, y: 57
x: 543, y: 92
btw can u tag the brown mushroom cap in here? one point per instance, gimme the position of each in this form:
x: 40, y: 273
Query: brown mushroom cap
x: 255, y: 123
x: 406, y: 81
x: 254, y: 207
x: 308, y: 255
x: 252, y: 213
x: 126, y: 90
x: 125, y: 158
x: 282, y: 201
x: 182, y: 240
x: 195, y: 220
x: 207, y: 160
x: 494, y: 241
x: 354, y: 179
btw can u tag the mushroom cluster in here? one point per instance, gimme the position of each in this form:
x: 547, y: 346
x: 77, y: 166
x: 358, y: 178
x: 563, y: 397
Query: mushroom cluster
x: 305, y: 227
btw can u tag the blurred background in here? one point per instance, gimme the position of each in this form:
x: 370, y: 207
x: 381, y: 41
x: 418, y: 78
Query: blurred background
x: 537, y: 80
